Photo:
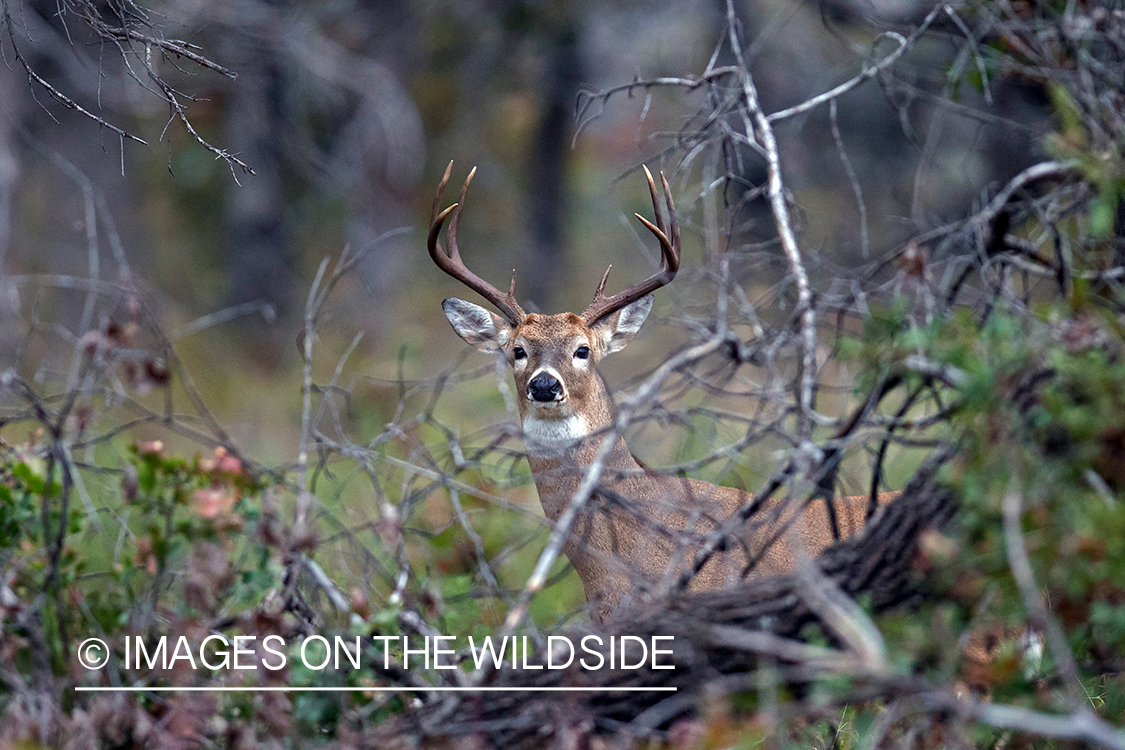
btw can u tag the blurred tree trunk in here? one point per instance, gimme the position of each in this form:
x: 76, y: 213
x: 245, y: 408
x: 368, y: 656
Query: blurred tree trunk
x: 260, y: 260
x: 745, y: 168
x: 11, y: 115
x: 563, y: 73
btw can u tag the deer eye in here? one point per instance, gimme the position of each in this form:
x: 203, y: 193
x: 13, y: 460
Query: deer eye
x: 582, y: 352
x: 519, y: 353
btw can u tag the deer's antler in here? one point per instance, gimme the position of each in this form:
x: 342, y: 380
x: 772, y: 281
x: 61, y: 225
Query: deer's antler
x: 669, y: 238
x: 451, y: 262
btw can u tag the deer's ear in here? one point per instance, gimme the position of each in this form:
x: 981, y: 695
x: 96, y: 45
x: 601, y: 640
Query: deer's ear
x: 479, y: 328
x: 619, y: 329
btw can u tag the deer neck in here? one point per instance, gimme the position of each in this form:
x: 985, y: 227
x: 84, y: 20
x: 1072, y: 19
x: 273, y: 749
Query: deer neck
x: 561, y: 450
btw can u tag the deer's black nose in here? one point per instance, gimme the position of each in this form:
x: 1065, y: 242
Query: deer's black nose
x: 545, y: 387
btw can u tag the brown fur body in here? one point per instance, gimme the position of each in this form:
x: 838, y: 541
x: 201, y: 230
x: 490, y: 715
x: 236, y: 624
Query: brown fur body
x: 640, y: 526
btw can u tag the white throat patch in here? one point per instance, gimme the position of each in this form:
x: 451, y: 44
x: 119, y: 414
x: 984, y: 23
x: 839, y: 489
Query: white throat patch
x: 550, y: 438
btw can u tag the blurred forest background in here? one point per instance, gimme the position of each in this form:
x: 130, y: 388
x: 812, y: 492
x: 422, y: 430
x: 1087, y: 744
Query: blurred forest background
x: 231, y: 401
x: 348, y: 112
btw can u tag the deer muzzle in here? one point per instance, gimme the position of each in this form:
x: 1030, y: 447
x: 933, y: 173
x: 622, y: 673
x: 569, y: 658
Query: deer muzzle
x: 545, y: 387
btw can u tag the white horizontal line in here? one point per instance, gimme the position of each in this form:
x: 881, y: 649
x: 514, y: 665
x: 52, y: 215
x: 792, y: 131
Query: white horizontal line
x: 435, y: 689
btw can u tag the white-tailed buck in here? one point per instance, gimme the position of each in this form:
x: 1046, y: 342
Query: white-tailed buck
x: 639, y: 525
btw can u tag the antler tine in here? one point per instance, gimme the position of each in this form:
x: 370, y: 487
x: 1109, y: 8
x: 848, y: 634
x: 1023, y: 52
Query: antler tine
x: 451, y: 262
x: 669, y: 258
x: 674, y: 248
x: 656, y: 200
x: 455, y: 219
x: 440, y: 191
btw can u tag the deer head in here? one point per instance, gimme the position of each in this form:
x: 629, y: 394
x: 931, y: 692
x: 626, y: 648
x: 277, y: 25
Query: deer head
x: 554, y: 357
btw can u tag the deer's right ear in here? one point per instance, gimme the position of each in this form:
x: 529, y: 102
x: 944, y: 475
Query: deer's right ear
x: 479, y: 328
x: 619, y: 329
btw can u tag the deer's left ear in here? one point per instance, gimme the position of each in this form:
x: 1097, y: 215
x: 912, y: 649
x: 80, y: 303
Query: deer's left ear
x: 479, y: 328
x: 618, y: 329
